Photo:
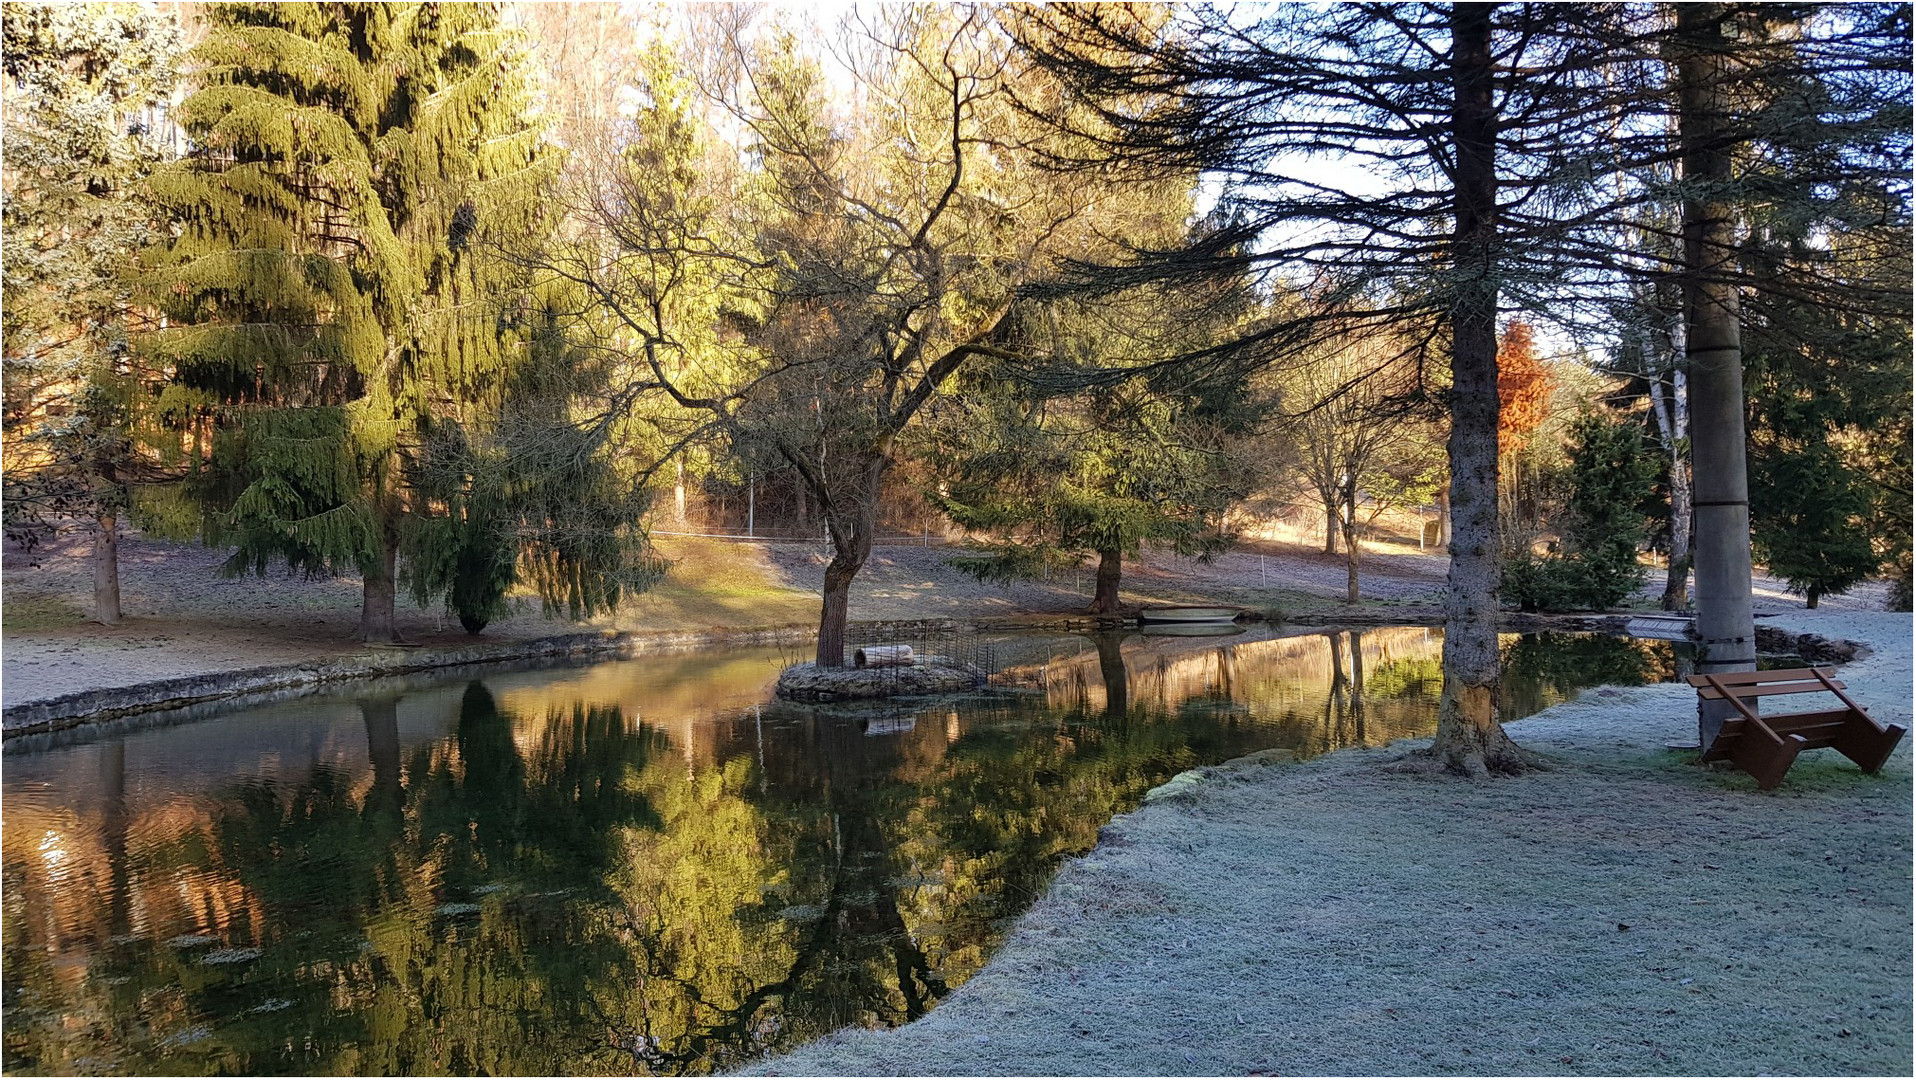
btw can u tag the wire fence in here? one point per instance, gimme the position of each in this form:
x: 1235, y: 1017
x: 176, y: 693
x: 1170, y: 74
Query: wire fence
x: 931, y: 644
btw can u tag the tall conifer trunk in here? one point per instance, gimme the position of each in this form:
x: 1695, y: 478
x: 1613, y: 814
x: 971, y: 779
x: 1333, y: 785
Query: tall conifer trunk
x: 378, y: 589
x: 1104, y: 599
x: 106, y: 568
x: 1714, y: 345
x: 1469, y: 738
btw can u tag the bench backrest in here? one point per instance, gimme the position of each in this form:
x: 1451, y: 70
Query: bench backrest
x: 1755, y: 684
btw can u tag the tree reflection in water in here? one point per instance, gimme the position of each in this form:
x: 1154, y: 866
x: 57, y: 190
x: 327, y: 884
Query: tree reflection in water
x: 544, y: 883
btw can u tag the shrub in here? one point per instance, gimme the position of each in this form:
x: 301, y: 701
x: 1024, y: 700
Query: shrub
x: 1610, y: 474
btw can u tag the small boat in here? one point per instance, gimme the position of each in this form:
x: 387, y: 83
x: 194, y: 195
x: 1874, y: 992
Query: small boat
x: 1662, y: 627
x: 1189, y: 614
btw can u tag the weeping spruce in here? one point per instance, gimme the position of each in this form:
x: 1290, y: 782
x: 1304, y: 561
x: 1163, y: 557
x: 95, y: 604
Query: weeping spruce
x: 338, y: 319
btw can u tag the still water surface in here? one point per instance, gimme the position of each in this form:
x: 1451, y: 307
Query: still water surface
x: 643, y: 866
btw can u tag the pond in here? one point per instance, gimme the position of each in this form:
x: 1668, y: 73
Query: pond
x: 644, y: 866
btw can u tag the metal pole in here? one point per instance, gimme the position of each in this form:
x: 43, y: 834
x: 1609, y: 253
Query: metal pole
x: 751, y: 505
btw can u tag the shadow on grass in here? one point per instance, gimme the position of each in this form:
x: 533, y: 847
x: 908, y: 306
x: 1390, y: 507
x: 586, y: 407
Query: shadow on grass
x: 27, y: 614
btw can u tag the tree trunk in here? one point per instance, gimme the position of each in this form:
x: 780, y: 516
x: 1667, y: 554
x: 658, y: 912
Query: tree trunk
x: 106, y: 569
x: 1713, y: 341
x: 1351, y: 555
x: 387, y: 794
x: 678, y: 488
x: 1117, y: 680
x: 1337, y: 665
x: 851, y: 530
x: 376, y: 597
x: 114, y: 818
x: 1810, y: 598
x: 1104, y: 599
x: 1334, y: 704
x: 1357, y: 682
x: 835, y: 610
x: 1673, y: 423
x: 1469, y: 738
x: 1331, y: 517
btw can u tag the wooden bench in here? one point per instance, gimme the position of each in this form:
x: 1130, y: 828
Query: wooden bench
x: 1765, y: 746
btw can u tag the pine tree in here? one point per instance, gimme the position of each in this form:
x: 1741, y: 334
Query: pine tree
x: 1611, y: 474
x: 83, y: 85
x: 1829, y: 435
x: 334, y: 294
x: 1414, y: 176
x: 1099, y: 473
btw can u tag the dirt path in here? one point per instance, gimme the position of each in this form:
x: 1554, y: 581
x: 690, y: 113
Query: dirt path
x: 184, y: 618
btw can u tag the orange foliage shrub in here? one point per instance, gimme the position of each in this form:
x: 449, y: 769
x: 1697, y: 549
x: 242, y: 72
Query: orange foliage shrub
x: 1523, y: 388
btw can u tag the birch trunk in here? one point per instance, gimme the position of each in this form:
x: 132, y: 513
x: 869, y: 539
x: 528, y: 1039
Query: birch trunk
x: 1672, y: 410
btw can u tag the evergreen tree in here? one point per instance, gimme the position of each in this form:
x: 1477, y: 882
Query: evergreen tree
x: 1459, y: 143
x: 83, y: 86
x: 340, y: 313
x: 1611, y: 475
x: 1100, y: 473
x: 1829, y: 440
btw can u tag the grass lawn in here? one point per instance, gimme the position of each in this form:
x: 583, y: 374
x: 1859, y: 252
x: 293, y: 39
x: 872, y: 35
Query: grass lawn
x: 1622, y: 912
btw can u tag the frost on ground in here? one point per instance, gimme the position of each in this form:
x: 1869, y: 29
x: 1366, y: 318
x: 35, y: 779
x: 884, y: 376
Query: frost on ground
x: 1623, y: 912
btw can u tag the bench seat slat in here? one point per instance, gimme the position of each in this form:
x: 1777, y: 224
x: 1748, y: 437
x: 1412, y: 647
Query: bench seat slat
x: 1815, y: 735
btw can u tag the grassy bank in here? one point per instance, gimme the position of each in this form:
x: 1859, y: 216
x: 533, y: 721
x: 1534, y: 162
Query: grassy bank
x: 1622, y: 912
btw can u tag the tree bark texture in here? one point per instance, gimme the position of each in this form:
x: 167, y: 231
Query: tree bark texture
x: 378, y: 588
x: 1673, y: 423
x: 1104, y: 598
x: 851, y: 528
x: 1351, y: 555
x: 1469, y: 738
x: 1331, y: 517
x: 106, y: 569
x: 1713, y: 342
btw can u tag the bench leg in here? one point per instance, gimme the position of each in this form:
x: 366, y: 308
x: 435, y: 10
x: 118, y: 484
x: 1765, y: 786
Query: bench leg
x: 1765, y: 758
x: 1866, y: 744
